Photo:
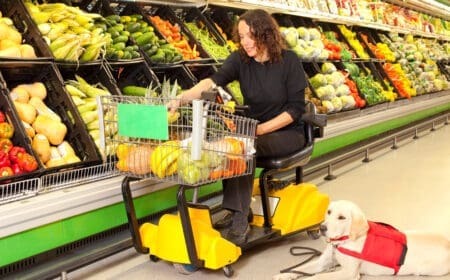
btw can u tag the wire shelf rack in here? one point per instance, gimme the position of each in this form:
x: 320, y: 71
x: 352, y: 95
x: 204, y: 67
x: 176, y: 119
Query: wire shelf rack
x: 19, y: 190
x: 75, y: 177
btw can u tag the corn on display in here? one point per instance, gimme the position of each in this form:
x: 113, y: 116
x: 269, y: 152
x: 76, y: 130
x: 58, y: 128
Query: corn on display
x: 69, y: 31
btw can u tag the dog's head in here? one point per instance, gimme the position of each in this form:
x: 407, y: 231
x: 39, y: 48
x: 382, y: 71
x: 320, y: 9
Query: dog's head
x: 344, y: 219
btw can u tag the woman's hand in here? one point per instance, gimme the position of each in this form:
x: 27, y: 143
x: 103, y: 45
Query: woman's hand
x: 174, y: 104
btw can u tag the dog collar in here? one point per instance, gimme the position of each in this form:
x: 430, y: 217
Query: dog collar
x: 342, y: 238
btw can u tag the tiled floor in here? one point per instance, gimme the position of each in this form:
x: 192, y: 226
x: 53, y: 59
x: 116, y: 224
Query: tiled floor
x: 408, y: 187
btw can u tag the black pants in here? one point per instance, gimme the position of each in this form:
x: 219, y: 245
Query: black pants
x: 237, y: 192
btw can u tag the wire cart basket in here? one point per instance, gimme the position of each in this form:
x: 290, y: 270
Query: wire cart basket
x: 200, y: 143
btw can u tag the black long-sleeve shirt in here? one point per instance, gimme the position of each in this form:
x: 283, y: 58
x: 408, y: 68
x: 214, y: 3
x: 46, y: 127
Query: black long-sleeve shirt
x: 269, y: 89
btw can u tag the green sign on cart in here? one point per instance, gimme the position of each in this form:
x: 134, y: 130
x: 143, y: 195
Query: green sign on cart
x: 143, y: 121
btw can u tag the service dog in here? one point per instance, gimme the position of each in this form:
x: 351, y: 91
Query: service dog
x: 348, y: 232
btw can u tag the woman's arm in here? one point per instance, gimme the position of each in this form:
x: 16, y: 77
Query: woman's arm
x: 276, y: 123
x: 194, y: 92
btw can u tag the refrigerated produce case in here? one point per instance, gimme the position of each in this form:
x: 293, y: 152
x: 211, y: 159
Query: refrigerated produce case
x: 62, y: 212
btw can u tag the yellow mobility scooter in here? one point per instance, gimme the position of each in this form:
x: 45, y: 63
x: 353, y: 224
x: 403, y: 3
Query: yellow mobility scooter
x: 188, y: 238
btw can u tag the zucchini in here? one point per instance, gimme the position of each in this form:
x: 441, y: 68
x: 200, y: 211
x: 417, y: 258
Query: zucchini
x: 134, y: 90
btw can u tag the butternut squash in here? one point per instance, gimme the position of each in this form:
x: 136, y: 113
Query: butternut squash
x: 41, y: 146
x: 55, y: 158
x: 29, y: 130
x: 54, y: 130
x: 13, y: 52
x: 19, y: 94
x: 6, y: 43
x: 36, y: 89
x: 66, y: 150
x: 42, y: 109
x: 27, y: 51
x: 26, y: 112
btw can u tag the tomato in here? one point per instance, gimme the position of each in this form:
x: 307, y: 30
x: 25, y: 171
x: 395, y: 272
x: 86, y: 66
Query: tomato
x: 6, y: 130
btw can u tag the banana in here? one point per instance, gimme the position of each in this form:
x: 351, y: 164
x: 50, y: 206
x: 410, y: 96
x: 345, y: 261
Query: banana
x: 169, y: 164
x: 164, y: 155
x: 172, y: 117
x: 172, y: 169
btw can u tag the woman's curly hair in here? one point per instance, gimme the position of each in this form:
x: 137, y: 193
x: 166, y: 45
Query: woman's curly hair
x: 265, y: 32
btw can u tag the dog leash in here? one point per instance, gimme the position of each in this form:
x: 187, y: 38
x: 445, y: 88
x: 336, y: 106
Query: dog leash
x: 311, y: 252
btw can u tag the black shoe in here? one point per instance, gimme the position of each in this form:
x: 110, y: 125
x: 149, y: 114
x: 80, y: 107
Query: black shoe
x: 238, y: 237
x: 227, y: 219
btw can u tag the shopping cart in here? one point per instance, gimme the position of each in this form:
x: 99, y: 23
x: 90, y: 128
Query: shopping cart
x: 201, y: 143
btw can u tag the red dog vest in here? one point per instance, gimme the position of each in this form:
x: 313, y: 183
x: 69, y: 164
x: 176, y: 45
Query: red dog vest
x: 384, y: 245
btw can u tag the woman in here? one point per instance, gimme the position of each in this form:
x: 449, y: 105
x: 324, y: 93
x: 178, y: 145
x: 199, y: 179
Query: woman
x: 272, y: 82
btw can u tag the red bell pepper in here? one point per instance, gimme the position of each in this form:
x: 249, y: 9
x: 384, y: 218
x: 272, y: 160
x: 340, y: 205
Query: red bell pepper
x: 4, y: 159
x: 6, y: 130
x: 5, y: 145
x: 2, y: 117
x: 6, y: 171
x: 27, y: 162
x: 14, y: 153
x: 16, y: 169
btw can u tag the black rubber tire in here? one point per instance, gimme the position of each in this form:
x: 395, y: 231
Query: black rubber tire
x: 313, y: 233
x: 185, y: 269
x: 228, y: 271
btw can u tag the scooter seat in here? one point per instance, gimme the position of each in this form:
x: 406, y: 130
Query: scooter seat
x: 299, y: 158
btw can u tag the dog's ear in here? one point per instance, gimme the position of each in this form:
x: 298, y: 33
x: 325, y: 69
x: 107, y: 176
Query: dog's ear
x: 359, y: 226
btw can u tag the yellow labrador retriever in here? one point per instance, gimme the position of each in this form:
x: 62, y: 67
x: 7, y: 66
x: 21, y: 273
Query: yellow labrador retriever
x: 363, y: 247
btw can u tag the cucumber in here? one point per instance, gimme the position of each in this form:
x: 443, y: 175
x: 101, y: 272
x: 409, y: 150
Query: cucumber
x: 133, y: 27
x: 134, y: 90
x: 144, y: 38
x: 119, y: 39
x: 119, y: 46
x: 114, y: 18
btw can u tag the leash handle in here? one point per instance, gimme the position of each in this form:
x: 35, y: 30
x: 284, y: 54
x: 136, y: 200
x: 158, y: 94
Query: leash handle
x: 311, y: 252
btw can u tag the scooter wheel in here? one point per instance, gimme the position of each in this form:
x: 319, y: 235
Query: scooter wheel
x: 314, y: 234
x: 228, y: 271
x: 154, y: 258
x: 185, y: 268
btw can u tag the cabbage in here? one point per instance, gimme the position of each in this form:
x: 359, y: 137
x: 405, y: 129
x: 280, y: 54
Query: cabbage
x: 328, y: 68
x: 314, y: 34
x: 318, y: 80
x: 291, y: 36
x: 303, y: 33
x: 328, y: 105
x: 337, y: 103
x: 335, y: 79
x: 317, y: 44
x: 326, y: 92
x: 348, y: 102
x: 342, y: 90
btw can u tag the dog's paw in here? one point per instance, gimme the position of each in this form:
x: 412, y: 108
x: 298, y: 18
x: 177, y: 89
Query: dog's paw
x: 285, y: 276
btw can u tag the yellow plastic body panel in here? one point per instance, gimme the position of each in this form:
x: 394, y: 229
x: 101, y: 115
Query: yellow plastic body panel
x: 166, y: 240
x: 300, y: 207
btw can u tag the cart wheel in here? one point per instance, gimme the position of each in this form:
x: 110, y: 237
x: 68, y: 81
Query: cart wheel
x: 185, y: 268
x: 314, y: 234
x: 154, y: 258
x: 228, y: 271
